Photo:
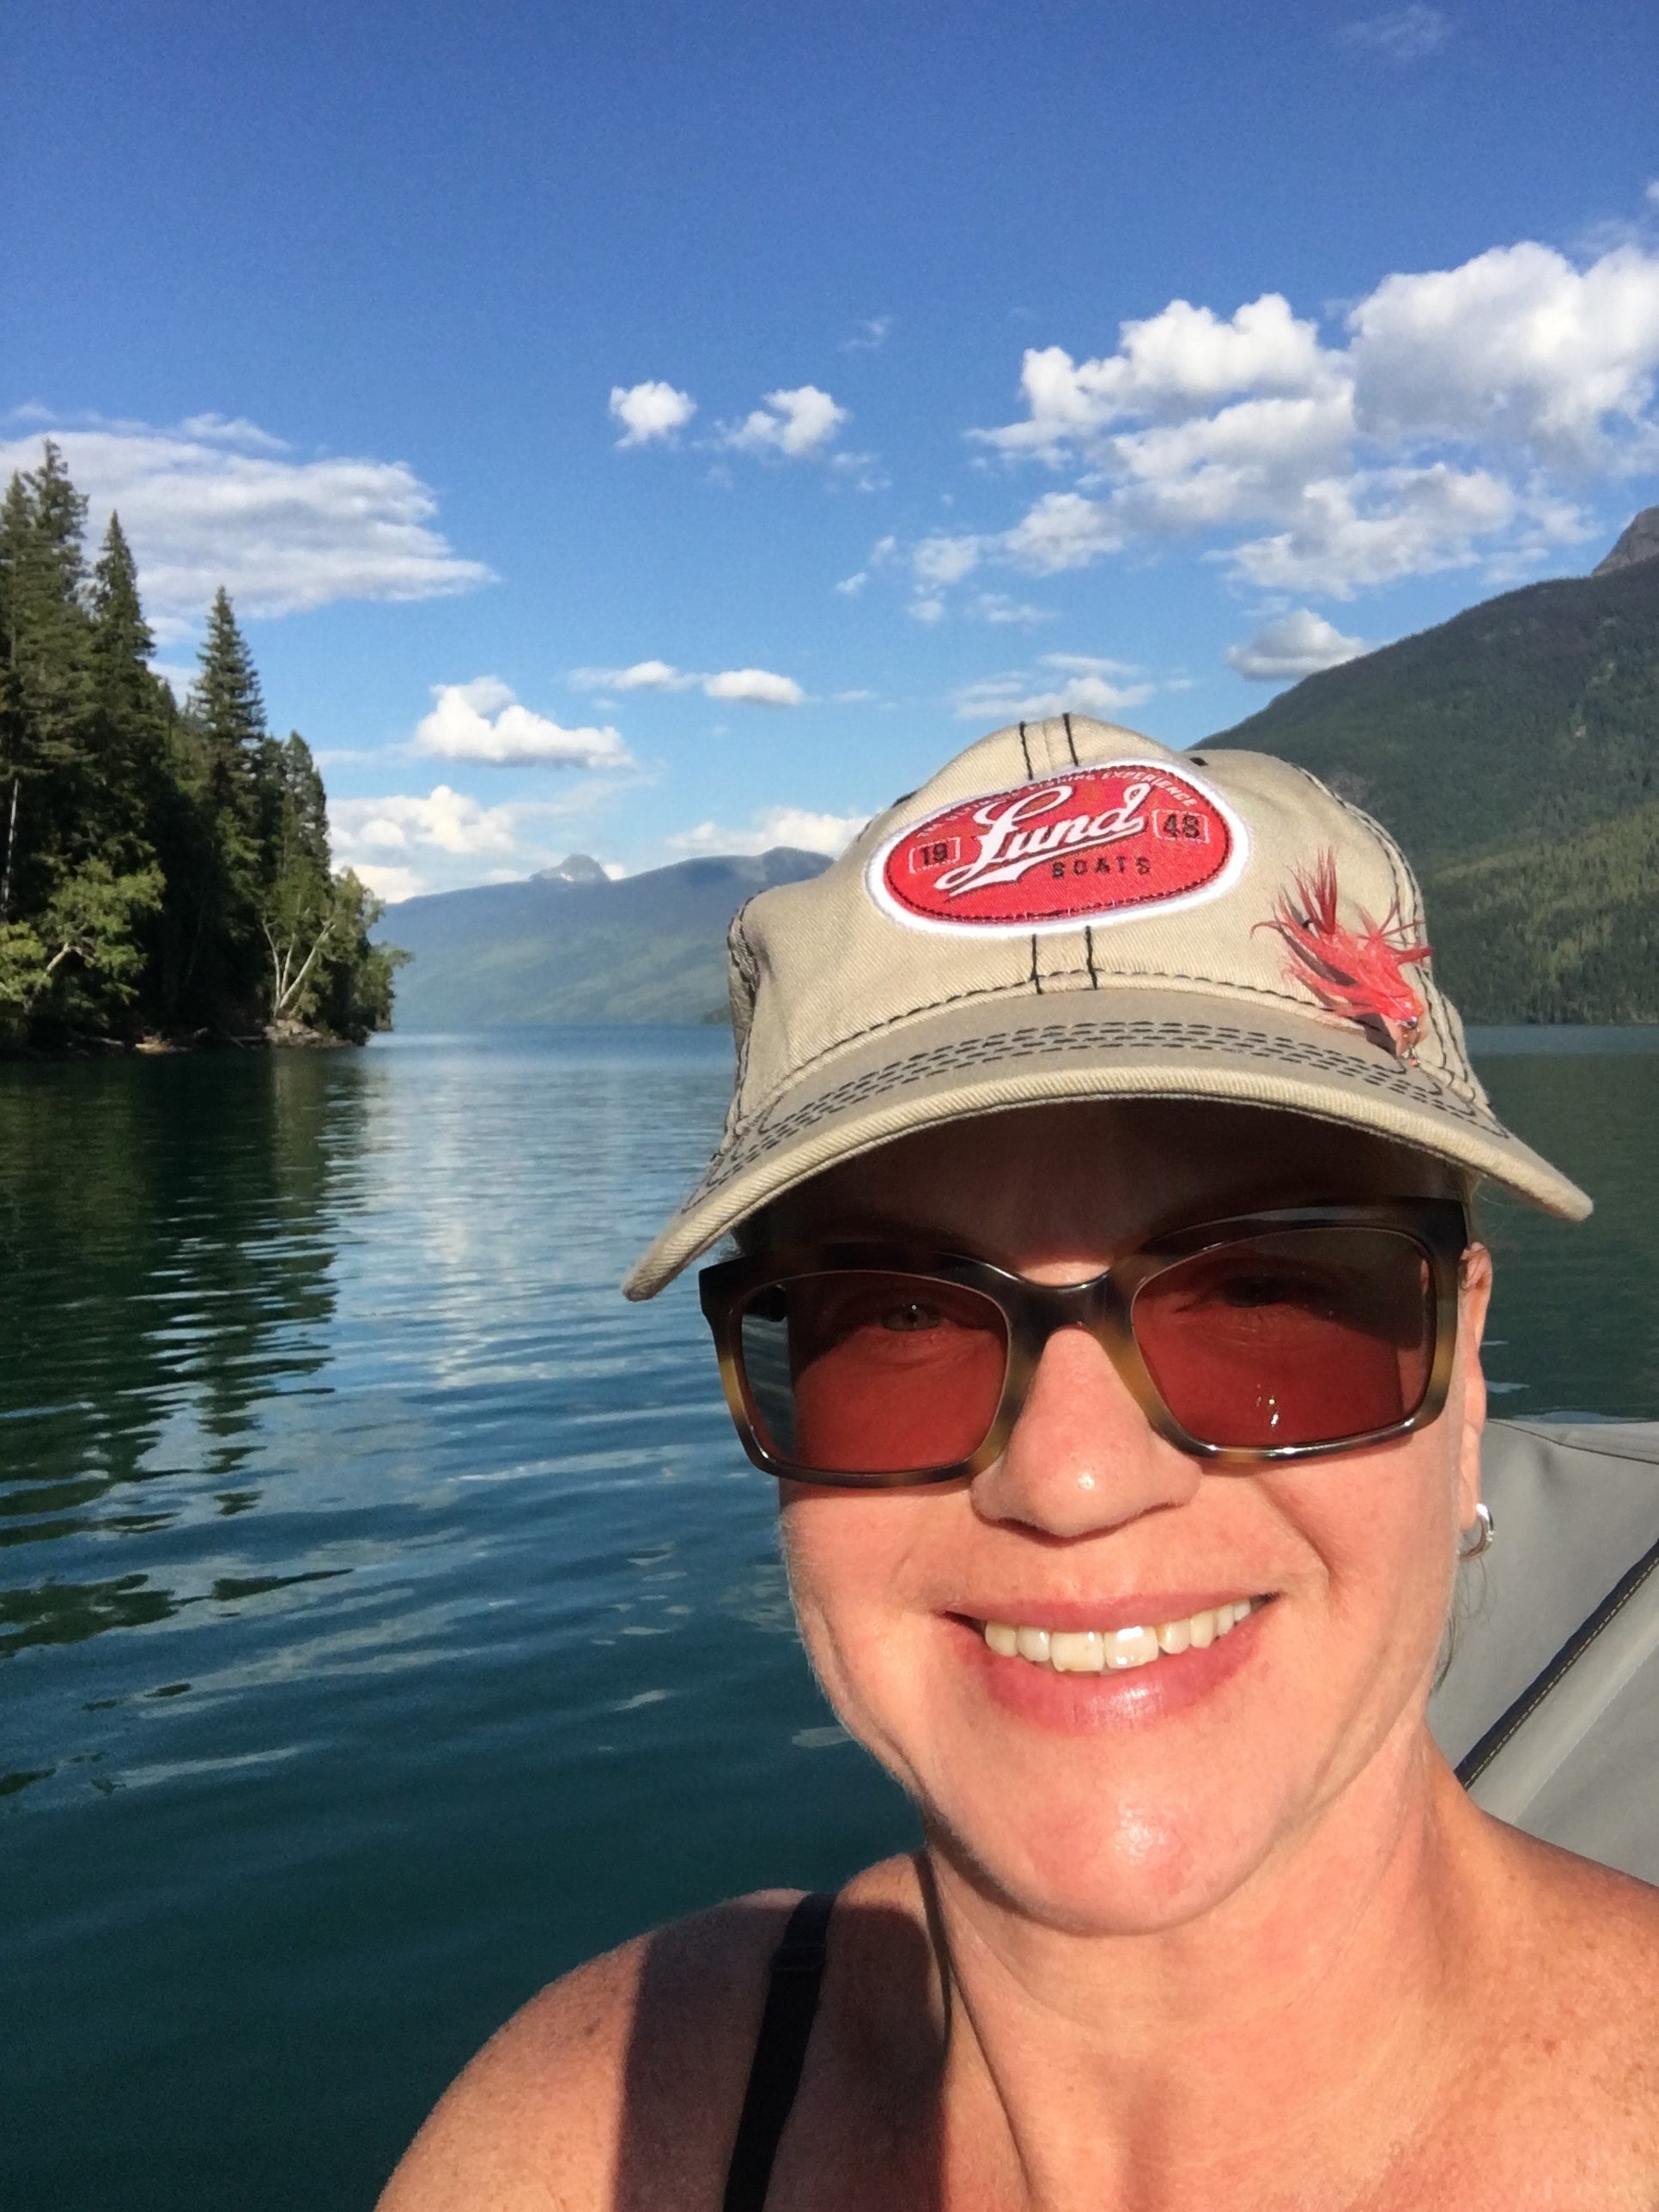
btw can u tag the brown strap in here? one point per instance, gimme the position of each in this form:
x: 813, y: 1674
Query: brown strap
x: 792, y: 2003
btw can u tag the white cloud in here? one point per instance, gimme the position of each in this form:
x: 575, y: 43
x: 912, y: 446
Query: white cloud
x: 850, y: 587
x: 926, y: 610
x: 1062, y: 530
x: 1404, y: 34
x: 403, y: 844
x: 797, y: 424
x: 643, y: 676
x: 1365, y: 531
x: 998, y: 607
x: 754, y: 687
x: 1651, y: 195
x: 233, y: 430
x: 652, y: 413
x: 483, y: 721
x: 391, y: 883
x: 1089, y: 686
x: 1456, y: 419
x: 1184, y: 357
x: 218, y: 502
x: 778, y: 825
x: 868, y: 337
x: 939, y: 561
x: 1517, y: 349
x: 1297, y: 644
x: 861, y: 470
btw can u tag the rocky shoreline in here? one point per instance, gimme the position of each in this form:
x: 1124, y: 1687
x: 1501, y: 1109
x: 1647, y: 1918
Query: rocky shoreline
x: 280, y: 1037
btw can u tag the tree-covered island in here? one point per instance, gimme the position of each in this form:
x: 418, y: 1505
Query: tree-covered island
x: 165, y: 870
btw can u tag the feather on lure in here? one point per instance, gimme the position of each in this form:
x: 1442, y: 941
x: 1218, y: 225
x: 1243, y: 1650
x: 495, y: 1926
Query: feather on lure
x: 1359, y: 974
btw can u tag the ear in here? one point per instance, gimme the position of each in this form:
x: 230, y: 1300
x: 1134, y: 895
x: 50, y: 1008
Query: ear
x: 1469, y: 1389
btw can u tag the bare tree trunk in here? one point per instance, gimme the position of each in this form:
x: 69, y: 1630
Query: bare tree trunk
x: 297, y: 983
x: 11, y: 841
x: 286, y: 984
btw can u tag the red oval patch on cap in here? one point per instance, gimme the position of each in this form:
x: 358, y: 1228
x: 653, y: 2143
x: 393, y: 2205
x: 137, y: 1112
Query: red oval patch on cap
x: 1093, y: 844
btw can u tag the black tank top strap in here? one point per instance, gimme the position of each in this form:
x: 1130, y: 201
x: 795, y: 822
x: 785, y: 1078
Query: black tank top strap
x: 792, y: 2003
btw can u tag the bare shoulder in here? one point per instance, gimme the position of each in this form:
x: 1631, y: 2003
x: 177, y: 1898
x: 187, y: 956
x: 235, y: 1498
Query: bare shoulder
x: 1596, y: 1928
x: 1584, y: 1986
x: 617, y: 2086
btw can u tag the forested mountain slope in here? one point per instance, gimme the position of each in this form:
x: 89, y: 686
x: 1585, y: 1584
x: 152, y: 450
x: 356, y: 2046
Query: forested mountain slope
x: 1514, y: 751
x: 564, y: 947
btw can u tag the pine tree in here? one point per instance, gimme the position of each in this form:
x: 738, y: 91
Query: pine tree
x: 227, y: 704
x: 45, y: 702
x: 130, y: 718
x: 225, y: 734
x: 121, y: 641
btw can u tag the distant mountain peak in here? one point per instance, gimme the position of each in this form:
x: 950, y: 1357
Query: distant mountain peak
x: 651, y: 948
x: 1640, y: 542
x: 574, y: 868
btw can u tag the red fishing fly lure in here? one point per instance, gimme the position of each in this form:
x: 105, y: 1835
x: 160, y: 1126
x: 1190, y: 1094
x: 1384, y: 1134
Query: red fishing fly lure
x: 1357, y: 973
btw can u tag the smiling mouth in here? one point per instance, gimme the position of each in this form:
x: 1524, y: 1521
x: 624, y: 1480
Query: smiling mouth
x: 1094, y: 1651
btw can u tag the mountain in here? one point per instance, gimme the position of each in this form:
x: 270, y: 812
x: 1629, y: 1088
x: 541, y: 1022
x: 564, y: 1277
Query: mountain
x: 570, y: 946
x: 1514, y: 752
x: 1638, y: 543
x: 574, y: 868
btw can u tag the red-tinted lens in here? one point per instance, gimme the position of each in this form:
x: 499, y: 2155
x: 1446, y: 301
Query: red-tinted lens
x: 1303, y: 1337
x: 855, y: 1372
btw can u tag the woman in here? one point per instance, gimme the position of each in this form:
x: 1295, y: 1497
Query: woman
x: 1106, y: 1306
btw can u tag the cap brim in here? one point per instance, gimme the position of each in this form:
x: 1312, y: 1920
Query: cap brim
x: 961, y: 1060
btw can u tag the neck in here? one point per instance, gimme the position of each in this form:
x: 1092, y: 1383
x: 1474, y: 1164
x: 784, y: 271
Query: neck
x: 1297, y: 2035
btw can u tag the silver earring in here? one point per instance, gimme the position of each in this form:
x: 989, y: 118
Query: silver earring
x: 1482, y: 1531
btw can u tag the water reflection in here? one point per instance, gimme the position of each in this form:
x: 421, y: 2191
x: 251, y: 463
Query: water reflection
x: 166, y: 1271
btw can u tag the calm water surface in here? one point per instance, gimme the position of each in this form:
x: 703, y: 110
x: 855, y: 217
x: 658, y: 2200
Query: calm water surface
x: 389, y: 1619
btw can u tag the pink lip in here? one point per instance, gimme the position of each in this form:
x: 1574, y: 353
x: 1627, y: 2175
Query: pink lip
x: 1086, y: 1704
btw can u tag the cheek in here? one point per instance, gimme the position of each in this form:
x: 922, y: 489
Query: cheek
x: 850, y: 1558
x: 1382, y: 1525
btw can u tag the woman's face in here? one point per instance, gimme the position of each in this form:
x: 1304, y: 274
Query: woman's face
x: 1130, y: 1800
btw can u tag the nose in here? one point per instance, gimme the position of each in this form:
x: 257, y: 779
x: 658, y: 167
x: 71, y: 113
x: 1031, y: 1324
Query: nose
x: 1082, y: 1457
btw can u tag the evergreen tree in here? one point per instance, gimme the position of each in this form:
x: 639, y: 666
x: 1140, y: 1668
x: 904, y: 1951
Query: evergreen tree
x: 46, y: 695
x: 157, y: 868
x: 219, y: 760
x: 227, y: 706
x: 128, y: 731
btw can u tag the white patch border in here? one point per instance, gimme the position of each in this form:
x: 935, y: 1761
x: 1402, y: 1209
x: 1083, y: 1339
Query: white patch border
x: 1172, y: 903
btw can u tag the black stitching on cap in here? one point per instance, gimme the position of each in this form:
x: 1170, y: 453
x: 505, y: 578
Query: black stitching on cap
x: 1128, y: 976
x: 1050, y: 1040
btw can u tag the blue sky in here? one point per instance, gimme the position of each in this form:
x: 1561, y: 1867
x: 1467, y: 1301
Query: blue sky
x: 648, y: 429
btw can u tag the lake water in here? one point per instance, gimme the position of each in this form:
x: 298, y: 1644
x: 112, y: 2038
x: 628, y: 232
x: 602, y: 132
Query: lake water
x: 392, y: 1620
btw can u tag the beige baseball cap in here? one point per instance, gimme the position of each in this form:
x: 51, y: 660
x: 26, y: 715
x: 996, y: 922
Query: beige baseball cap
x: 1069, y: 910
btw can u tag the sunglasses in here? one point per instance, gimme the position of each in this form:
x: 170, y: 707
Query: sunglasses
x: 1272, y: 1336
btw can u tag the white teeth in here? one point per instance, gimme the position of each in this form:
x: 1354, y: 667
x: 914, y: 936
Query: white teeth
x: 1131, y: 1647
x: 1090, y: 1650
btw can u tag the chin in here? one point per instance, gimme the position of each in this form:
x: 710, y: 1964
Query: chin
x: 1126, y: 1867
